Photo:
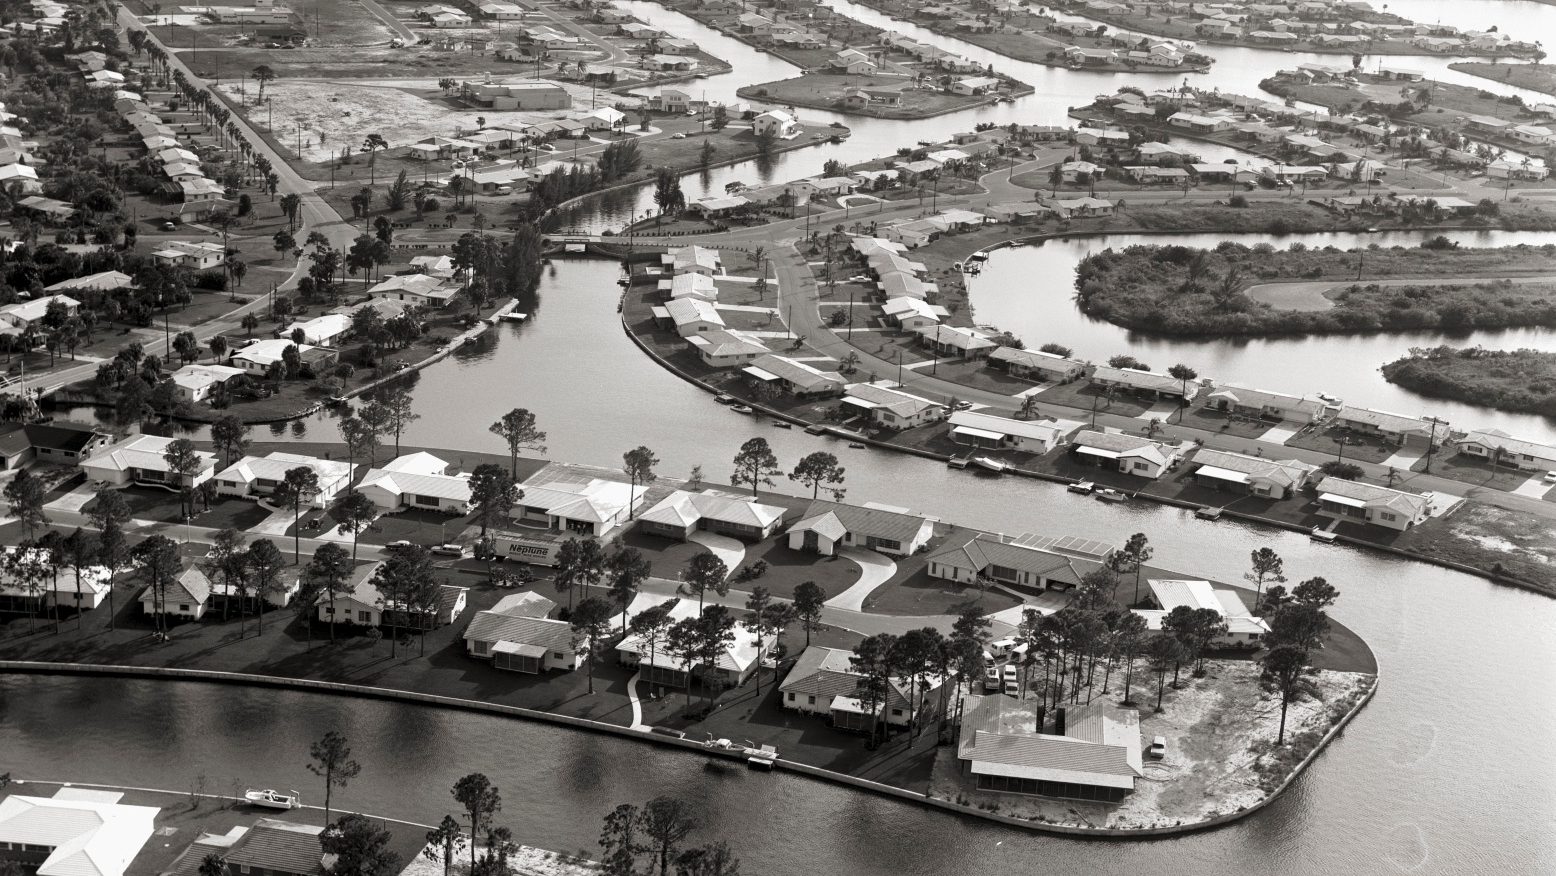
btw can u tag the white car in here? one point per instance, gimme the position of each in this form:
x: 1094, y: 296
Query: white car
x: 677, y: 136
x: 1550, y: 477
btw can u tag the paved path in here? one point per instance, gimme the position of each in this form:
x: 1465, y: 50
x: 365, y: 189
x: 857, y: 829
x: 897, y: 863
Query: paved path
x: 731, y: 550
x: 274, y: 526
x: 395, y: 24
x: 874, y: 570
x: 637, y: 704
x: 74, y: 500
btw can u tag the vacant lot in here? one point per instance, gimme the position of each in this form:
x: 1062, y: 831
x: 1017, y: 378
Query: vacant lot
x: 826, y: 90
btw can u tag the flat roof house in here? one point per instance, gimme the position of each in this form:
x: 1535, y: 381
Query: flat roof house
x: 57, y: 443
x: 1129, y: 454
x: 516, y: 636
x: 1368, y: 503
x: 682, y: 513
x: 187, y: 596
x: 892, y: 407
x: 1253, y: 475
x: 1500, y: 448
x: 259, y: 476
x: 727, y: 348
x: 1250, y: 402
x: 1243, y: 630
x: 1147, y: 383
x: 77, y: 832
x: 828, y: 526
x: 1094, y: 755
x: 417, y: 480
x: 1003, y: 433
x: 1037, y: 365
x: 1024, y: 561
x: 139, y: 459
x: 823, y: 682
x: 799, y: 379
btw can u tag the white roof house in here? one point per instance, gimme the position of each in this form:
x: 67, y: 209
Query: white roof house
x: 194, y: 383
x: 696, y: 259
x: 1263, y: 402
x: 892, y: 406
x: 419, y: 480
x: 689, y: 285
x: 1370, y: 503
x: 725, y: 349
x: 25, y: 313
x: 102, y: 281
x: 261, y: 474
x: 424, y: 289
x: 85, y: 832
x: 321, y: 330
x: 682, y: 513
x: 1515, y: 452
x: 1128, y: 453
x: 1259, y: 476
x: 1029, y: 436
x: 1242, y: 627
x: 1144, y: 381
x: 1036, y: 363
x: 1390, y: 425
x: 1099, y: 750
x: 693, y: 315
x: 141, y: 458
x: 796, y: 377
x: 735, y: 663
x: 592, y: 506
x: 260, y: 355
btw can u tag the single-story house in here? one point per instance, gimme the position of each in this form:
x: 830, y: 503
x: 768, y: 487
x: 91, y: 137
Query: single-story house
x: 823, y: 681
x: 1147, y: 383
x: 1093, y: 753
x: 682, y: 513
x: 590, y: 507
x: 660, y: 667
x: 194, y: 383
x: 77, y: 831
x: 517, y: 636
x: 321, y: 331
x: 18, y: 316
x: 140, y: 459
x: 58, y: 588
x: 258, y: 476
x: 727, y: 348
x: 828, y: 526
x: 1249, y: 402
x: 1254, y: 475
x: 797, y: 378
x: 423, y: 290
x: 256, y: 358
x: 911, y: 313
x: 1369, y: 503
x: 361, y: 603
x: 1037, y: 365
x: 1397, y: 428
x: 692, y: 259
x: 187, y: 596
x: 689, y: 284
x: 1243, y: 629
x: 102, y: 281
x: 59, y: 443
x: 417, y: 480
x: 891, y: 407
x: 1500, y: 448
x: 1126, y: 453
x: 988, y: 431
x: 1021, y: 562
x: 951, y: 340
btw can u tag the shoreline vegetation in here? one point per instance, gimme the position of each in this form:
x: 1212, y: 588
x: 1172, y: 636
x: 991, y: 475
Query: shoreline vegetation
x: 1534, y: 77
x: 1520, y: 381
x: 824, y: 91
x: 1177, y: 290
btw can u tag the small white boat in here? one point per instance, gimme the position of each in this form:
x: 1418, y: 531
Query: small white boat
x: 1108, y: 494
x: 741, y: 409
x: 272, y: 799
x: 724, y: 398
x: 1208, y: 513
x: 988, y: 464
x: 1084, y: 487
x: 1321, y: 535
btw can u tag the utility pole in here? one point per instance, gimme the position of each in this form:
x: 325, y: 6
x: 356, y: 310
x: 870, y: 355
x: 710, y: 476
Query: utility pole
x: 1431, y: 441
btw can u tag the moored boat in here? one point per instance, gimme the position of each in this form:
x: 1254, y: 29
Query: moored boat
x: 990, y: 465
x: 1082, y: 487
x: 742, y: 409
x: 272, y: 799
x: 1108, y: 494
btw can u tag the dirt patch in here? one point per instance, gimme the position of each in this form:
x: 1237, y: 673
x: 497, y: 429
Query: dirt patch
x: 1292, y: 296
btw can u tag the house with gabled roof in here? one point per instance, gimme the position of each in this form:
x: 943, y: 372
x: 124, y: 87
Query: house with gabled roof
x: 1253, y: 475
x: 1243, y: 630
x: 910, y: 313
x: 952, y: 340
x: 76, y: 832
x: 1092, y: 754
x: 140, y: 459
x: 682, y: 513
x: 1397, y: 428
x: 722, y: 348
x: 417, y: 480
x: 1249, y: 402
x: 361, y: 603
x: 187, y: 596
x: 659, y: 666
x: 689, y: 285
x: 1022, y: 562
x: 62, y: 587
x: 823, y: 681
x: 1146, y: 383
x: 517, y: 635
x: 424, y: 290
x: 575, y: 504
x: 988, y: 431
x: 255, y: 477
x: 1500, y: 448
x: 194, y: 383
x: 799, y: 379
x: 1037, y: 365
x: 689, y: 316
x: 692, y: 259
x: 891, y: 407
x: 102, y: 281
x: 828, y: 526
x: 1357, y: 502
x: 1129, y: 454
x: 59, y: 443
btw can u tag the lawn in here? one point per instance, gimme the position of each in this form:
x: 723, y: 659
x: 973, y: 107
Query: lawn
x: 1229, y: 425
x: 1474, y: 471
x: 1084, y: 397
x: 1358, y: 447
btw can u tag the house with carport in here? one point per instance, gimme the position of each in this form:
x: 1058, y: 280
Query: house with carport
x: 1036, y: 365
x: 828, y: 526
x: 141, y: 459
x: 1501, y: 449
x: 1026, y: 562
x: 799, y: 379
x: 1234, y: 398
x: 258, y: 477
x: 577, y: 504
x: 891, y: 407
x: 1250, y: 475
x: 823, y: 681
x: 683, y: 513
x: 417, y: 480
x: 1129, y: 454
x: 953, y: 340
x: 1357, y: 502
x: 991, y: 432
x: 911, y: 313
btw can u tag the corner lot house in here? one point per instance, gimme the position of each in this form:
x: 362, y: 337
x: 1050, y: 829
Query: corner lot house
x: 692, y: 260
x: 417, y: 480
x: 1249, y: 402
x: 77, y: 832
x: 1024, y: 562
x: 516, y: 636
x: 187, y: 597
x: 1496, y: 446
x: 1037, y: 365
x: 1369, y: 503
x: 258, y: 476
x: 682, y: 513
x: 1003, y: 433
x: 1243, y: 630
x: 60, y: 444
x: 1093, y: 753
x: 1126, y: 453
x: 1253, y: 475
x: 139, y: 459
x: 823, y: 682
x: 828, y: 526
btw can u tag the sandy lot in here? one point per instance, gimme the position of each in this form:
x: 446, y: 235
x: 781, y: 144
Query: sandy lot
x: 1293, y: 296
x: 528, y: 861
x: 346, y: 111
x: 1213, y: 727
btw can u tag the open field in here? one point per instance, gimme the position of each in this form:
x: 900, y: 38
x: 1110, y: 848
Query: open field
x: 1535, y: 77
x: 826, y: 90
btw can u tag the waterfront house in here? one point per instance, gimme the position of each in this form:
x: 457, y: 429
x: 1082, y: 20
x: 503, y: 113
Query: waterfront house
x: 1027, y: 562
x: 799, y: 379
x: 422, y: 290
x: 187, y: 596
x: 910, y: 313
x: 775, y: 123
x: 722, y: 348
x: 256, y: 358
x: 1080, y: 208
x: 689, y: 285
x: 361, y: 603
x: 1093, y: 753
x: 1146, y: 383
x: 1357, y: 502
x: 823, y: 682
x: 1156, y: 153
x: 321, y: 331
x: 59, y: 443
x: 140, y: 459
x: 951, y: 340
x: 990, y: 432
x: 194, y: 383
x: 258, y: 477
x: 1499, y: 448
x: 853, y: 62
x: 659, y: 666
x: 1037, y: 365
x: 1395, y: 428
x: 573, y: 504
x: 59, y: 587
x: 682, y: 513
x: 1129, y: 454
x: 692, y: 260
x: 690, y: 316
x: 417, y: 480
x: 828, y: 526
x: 517, y: 636
x: 76, y: 832
x: 1253, y: 475
x: 891, y: 407
x: 1243, y: 630
x: 1249, y: 402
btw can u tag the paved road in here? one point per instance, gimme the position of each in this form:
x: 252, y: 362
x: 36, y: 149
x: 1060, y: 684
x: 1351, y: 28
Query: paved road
x: 395, y: 24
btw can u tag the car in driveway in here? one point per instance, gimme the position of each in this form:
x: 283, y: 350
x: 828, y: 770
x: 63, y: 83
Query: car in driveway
x: 991, y: 680
x: 1158, y: 749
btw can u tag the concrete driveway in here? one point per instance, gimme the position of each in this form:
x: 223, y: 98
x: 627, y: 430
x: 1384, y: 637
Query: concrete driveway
x: 874, y: 570
x: 731, y: 550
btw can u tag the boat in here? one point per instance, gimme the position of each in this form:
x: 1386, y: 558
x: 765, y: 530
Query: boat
x: 957, y: 462
x: 272, y: 799
x: 782, y: 424
x: 1082, y: 487
x: 1208, y: 513
x: 724, y: 398
x: 742, y: 409
x: 856, y: 445
x: 988, y: 464
x: 1322, y: 535
x: 761, y: 758
x: 814, y: 429
x: 1108, y: 494
x: 513, y: 316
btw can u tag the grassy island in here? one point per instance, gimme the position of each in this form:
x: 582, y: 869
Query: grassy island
x: 1523, y: 381
x: 1535, y: 77
x: 1241, y: 290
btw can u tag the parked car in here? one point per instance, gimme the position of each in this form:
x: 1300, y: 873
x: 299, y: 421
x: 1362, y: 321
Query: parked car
x: 991, y: 680
x: 677, y: 136
x: 1158, y: 749
x: 449, y: 550
x: 1550, y: 477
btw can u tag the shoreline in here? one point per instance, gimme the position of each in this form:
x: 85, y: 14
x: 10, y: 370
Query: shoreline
x: 30, y: 667
x: 749, y: 92
x: 1545, y: 85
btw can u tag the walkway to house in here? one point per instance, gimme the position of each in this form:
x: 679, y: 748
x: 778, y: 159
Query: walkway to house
x: 637, y: 704
x: 874, y: 570
x: 731, y: 550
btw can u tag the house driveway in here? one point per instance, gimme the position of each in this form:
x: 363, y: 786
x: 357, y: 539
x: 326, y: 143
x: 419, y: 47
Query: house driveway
x: 874, y: 570
x: 275, y: 525
x: 1404, y: 458
x: 74, y: 500
x: 731, y: 550
x: 1534, y: 488
x: 1278, y: 435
